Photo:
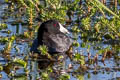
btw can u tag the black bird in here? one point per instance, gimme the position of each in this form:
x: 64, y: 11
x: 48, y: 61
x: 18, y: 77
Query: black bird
x: 52, y: 34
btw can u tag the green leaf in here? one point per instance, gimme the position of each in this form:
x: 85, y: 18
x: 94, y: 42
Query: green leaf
x: 64, y: 77
x: 20, y: 62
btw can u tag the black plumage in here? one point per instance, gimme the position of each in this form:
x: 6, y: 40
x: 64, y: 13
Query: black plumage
x: 52, y: 34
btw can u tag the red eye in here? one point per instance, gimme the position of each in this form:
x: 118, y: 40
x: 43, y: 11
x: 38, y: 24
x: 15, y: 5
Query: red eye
x: 54, y: 25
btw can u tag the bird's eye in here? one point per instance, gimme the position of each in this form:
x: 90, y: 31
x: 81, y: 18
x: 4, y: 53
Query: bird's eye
x: 54, y: 25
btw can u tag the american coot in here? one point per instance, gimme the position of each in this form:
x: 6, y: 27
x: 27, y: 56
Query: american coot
x: 52, y: 34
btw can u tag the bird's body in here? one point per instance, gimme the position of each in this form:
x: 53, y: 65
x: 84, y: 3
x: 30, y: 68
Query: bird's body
x: 50, y: 34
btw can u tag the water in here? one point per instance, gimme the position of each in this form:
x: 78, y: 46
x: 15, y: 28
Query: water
x: 109, y: 71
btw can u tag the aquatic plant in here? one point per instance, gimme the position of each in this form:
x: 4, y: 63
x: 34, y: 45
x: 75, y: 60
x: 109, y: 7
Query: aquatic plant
x: 9, y: 44
x: 91, y: 23
x: 44, y: 51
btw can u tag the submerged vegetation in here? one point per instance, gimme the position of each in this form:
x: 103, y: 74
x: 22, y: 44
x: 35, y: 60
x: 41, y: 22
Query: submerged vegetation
x: 94, y: 26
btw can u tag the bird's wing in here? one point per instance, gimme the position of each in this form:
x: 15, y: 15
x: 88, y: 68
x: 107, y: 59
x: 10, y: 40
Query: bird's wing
x: 57, y: 42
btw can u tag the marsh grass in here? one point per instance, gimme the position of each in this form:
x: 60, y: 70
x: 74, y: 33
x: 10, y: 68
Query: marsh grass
x: 91, y: 23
